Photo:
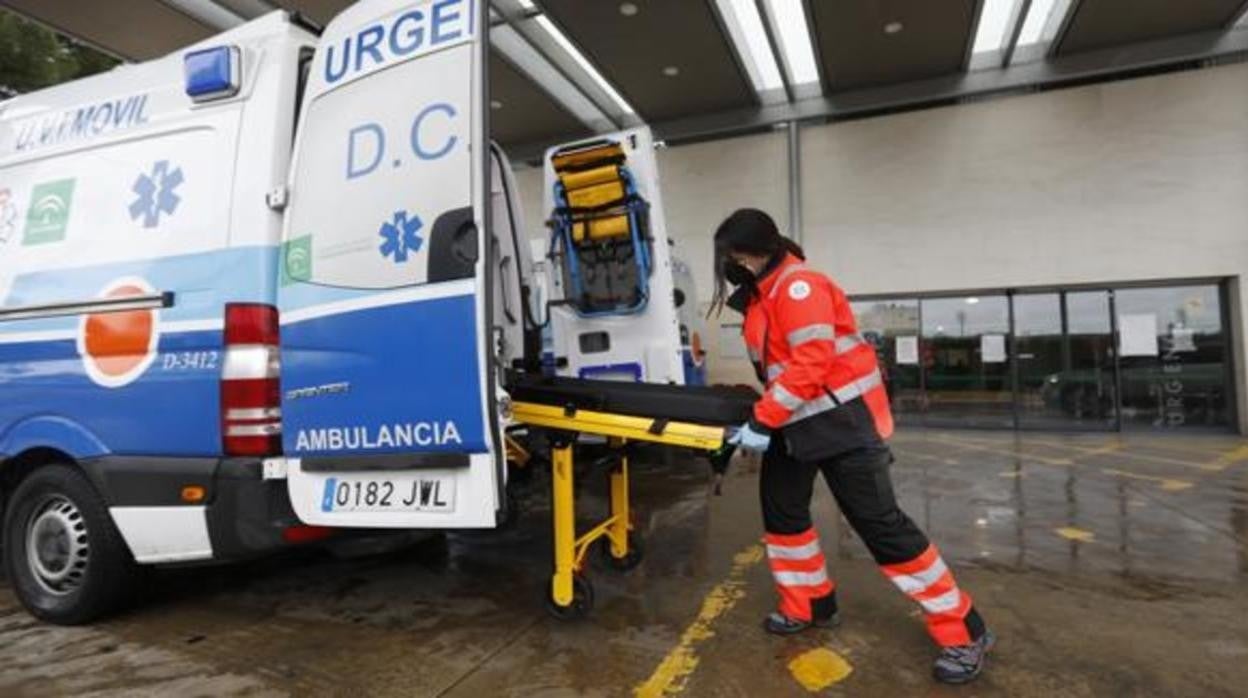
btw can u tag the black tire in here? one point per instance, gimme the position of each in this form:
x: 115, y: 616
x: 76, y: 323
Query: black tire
x: 99, y: 573
x: 582, y: 601
x: 622, y: 564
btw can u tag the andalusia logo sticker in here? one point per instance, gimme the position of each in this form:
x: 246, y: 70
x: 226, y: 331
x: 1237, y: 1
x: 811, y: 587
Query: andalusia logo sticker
x: 48, y: 215
x: 117, y: 347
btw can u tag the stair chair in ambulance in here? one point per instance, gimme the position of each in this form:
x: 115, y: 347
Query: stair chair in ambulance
x: 600, y: 235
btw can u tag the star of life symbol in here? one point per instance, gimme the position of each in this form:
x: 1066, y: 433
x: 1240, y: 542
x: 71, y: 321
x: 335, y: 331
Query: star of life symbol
x: 400, y: 236
x: 156, y: 194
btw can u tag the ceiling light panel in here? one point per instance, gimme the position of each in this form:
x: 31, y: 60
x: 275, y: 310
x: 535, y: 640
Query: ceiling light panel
x: 995, y: 25
x: 749, y: 39
x: 1043, y: 20
x: 583, y: 63
x: 529, y: 61
x: 788, y: 25
x: 1040, y: 27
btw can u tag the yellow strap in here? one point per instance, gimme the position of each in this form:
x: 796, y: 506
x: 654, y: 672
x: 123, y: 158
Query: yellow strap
x: 601, y: 228
x: 596, y: 195
x: 588, y: 178
x: 578, y: 159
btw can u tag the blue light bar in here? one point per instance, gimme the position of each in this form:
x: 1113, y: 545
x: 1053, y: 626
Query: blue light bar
x: 212, y: 73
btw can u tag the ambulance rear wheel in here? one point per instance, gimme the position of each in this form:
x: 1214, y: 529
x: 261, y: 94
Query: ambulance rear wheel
x: 582, y: 601
x: 67, y: 562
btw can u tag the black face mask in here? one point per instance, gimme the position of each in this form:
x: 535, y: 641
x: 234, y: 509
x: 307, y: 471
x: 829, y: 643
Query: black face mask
x: 738, y: 274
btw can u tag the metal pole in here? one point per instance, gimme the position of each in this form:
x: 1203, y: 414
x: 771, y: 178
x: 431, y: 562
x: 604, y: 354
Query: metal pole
x: 795, y: 183
x: 1116, y: 343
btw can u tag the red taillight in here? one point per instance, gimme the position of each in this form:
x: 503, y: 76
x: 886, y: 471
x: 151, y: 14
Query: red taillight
x: 305, y: 534
x: 251, y: 412
x: 249, y: 323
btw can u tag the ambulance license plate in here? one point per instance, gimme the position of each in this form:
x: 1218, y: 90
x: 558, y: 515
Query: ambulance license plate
x: 397, y: 493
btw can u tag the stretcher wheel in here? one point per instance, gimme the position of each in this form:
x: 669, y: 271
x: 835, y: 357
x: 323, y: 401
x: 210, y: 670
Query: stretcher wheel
x: 582, y: 601
x: 623, y: 564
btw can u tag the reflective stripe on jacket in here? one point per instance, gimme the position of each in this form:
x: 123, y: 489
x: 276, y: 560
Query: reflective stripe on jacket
x: 800, y: 331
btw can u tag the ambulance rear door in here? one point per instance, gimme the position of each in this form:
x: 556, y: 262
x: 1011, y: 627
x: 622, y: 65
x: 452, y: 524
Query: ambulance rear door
x: 388, y: 386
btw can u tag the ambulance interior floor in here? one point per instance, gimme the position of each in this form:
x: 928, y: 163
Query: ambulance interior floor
x: 1107, y: 565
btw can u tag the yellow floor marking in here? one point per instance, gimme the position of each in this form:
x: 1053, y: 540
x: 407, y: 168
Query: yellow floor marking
x: 1076, y: 534
x: 1128, y: 455
x: 1229, y: 458
x: 673, y: 672
x: 1012, y: 473
x: 819, y: 668
x: 1167, y: 484
x: 1013, y: 453
x: 1102, y: 450
x: 923, y: 456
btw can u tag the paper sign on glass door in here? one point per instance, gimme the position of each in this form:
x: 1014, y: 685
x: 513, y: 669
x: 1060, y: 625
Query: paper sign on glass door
x: 992, y: 348
x: 908, y: 350
x: 1137, y: 334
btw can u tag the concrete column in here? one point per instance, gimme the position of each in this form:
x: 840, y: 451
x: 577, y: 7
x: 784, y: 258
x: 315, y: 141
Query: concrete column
x: 795, y: 182
x: 1238, y: 312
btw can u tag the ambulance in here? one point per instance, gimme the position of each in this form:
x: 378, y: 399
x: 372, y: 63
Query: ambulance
x: 270, y: 288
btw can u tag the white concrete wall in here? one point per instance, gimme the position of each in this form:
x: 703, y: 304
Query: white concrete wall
x: 1124, y: 181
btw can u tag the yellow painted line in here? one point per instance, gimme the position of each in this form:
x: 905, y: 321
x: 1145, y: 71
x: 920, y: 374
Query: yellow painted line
x: 673, y: 672
x: 924, y: 456
x: 1102, y: 450
x: 1226, y: 460
x: 1076, y: 534
x: 819, y: 668
x: 1126, y: 454
x: 1013, y: 453
x: 1012, y: 474
x: 1167, y: 484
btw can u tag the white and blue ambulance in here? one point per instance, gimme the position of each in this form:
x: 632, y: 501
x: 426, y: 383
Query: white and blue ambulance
x: 261, y: 290
x: 209, y: 258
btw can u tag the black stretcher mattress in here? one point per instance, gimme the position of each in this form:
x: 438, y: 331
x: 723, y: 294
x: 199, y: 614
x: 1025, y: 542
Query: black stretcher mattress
x: 713, y: 405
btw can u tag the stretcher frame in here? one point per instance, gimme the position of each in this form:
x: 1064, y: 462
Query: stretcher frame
x: 571, y: 594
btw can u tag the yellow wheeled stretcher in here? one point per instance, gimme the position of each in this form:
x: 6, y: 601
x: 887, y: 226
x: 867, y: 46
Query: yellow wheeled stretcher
x: 600, y: 230
x: 571, y: 594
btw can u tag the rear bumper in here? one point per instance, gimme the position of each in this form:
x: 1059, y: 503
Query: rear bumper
x: 242, y: 516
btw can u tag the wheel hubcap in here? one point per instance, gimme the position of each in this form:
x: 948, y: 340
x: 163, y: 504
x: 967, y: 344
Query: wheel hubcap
x: 57, y: 546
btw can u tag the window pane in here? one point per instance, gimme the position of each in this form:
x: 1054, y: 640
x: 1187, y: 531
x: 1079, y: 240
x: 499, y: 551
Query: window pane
x: 965, y: 343
x: 1180, y: 381
x: 1066, y: 379
x: 886, y: 324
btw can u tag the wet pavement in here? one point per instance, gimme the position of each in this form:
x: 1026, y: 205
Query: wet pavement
x: 1107, y: 565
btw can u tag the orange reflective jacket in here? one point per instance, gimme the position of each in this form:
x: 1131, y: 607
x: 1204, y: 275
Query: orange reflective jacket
x: 824, y: 391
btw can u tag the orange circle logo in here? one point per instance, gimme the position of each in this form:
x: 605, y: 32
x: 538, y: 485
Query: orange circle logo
x: 117, y: 347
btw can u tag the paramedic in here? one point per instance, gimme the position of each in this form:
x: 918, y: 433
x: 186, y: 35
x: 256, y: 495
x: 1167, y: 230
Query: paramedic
x: 825, y: 410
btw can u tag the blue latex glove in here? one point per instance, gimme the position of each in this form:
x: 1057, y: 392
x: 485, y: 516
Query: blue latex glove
x: 750, y: 440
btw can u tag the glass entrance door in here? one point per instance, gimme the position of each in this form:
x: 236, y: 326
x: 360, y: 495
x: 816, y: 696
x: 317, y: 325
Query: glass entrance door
x: 1174, y: 368
x: 966, y: 361
x: 1065, y: 363
x: 892, y: 327
x: 1135, y: 358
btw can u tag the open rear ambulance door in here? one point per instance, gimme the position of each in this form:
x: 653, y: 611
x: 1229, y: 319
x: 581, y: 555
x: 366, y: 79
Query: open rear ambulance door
x: 388, y: 383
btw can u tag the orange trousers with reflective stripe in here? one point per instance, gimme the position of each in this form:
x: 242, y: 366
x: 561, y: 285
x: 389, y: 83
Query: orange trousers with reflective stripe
x: 860, y: 482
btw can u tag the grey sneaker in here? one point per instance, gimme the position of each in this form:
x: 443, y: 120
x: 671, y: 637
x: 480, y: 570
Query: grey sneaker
x: 777, y: 623
x: 963, y: 663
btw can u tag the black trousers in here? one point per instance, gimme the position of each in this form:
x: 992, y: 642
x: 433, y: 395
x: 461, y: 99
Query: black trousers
x: 860, y: 482
x: 863, y: 489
